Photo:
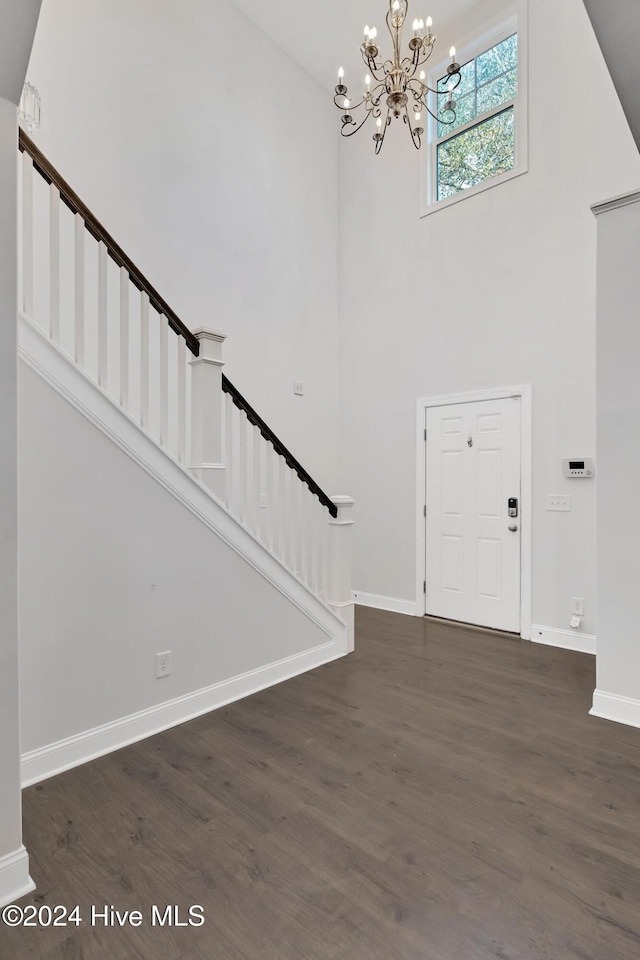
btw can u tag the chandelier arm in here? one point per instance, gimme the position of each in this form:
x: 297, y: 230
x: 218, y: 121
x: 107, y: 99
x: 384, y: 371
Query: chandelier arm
x: 426, y: 56
x: 369, y: 63
x: 355, y: 126
x: 379, y: 69
x: 352, y: 106
x: 423, y: 88
x: 416, y: 138
x: 456, y: 83
x: 381, y: 140
x: 376, y: 97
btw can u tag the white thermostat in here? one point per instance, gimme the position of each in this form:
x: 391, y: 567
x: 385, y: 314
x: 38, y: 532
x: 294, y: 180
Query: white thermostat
x: 578, y: 468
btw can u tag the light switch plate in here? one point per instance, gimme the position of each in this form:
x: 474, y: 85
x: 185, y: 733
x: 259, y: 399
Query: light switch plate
x: 559, y: 503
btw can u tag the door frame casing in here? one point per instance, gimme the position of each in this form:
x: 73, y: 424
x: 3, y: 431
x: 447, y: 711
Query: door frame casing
x: 525, y: 393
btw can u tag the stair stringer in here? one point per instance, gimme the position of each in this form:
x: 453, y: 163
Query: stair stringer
x: 71, y: 383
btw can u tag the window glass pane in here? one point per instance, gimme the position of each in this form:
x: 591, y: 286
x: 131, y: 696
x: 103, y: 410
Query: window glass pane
x: 498, y: 91
x: 465, y: 111
x: 500, y: 59
x: 476, y: 155
x: 467, y: 81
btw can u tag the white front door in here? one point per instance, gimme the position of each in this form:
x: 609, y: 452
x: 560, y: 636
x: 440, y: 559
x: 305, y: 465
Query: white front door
x: 473, y: 544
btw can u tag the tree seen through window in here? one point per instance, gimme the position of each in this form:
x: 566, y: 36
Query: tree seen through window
x: 486, y: 148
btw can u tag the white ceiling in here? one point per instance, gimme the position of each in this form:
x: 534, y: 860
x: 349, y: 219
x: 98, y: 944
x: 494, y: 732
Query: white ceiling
x: 618, y: 37
x: 326, y: 34
x: 18, y: 19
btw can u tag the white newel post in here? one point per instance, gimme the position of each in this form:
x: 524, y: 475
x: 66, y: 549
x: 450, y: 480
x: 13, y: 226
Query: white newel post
x: 340, y: 547
x: 207, y: 412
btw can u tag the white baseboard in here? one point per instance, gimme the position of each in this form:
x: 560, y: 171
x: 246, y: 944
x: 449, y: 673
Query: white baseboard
x: 57, y: 757
x: 567, y: 639
x: 611, y: 706
x: 392, y: 604
x: 15, y: 881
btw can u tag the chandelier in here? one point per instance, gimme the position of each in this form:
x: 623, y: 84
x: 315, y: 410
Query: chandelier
x: 29, y: 109
x: 398, y: 82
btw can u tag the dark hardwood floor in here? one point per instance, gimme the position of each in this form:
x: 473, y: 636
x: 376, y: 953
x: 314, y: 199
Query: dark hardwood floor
x: 440, y: 795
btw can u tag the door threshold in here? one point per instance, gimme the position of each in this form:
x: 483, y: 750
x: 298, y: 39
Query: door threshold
x: 474, y: 626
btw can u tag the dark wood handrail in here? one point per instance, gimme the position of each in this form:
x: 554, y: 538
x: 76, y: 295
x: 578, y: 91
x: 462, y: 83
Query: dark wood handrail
x: 278, y: 445
x: 98, y: 232
x: 95, y: 228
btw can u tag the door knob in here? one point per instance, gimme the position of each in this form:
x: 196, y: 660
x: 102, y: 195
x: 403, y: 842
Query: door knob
x: 513, y: 527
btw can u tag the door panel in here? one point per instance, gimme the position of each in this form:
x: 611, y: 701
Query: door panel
x: 472, y: 469
x: 451, y: 559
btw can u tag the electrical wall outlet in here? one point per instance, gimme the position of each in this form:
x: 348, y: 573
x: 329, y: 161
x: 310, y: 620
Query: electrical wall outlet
x: 163, y: 664
x: 577, y: 606
x: 298, y: 388
x: 559, y: 503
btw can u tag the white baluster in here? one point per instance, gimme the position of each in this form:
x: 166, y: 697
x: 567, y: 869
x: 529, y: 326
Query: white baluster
x: 284, y: 509
x: 243, y: 467
x: 124, y: 337
x: 103, y: 260
x: 315, y: 528
x: 340, y: 597
x: 302, y: 533
x: 164, y: 380
x: 54, y: 263
x: 293, y: 528
x: 144, y: 360
x: 182, y: 400
x: 269, y: 493
x: 229, y: 450
x: 79, y: 280
x: 27, y: 234
x: 257, y: 483
x: 206, y: 412
x: 313, y: 564
x: 324, y: 554
x: 309, y: 536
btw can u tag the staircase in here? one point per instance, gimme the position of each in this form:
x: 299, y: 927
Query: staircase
x: 100, y: 336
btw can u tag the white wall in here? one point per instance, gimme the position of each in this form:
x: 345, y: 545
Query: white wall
x: 618, y: 415
x: 18, y: 22
x: 115, y: 569
x: 213, y: 159
x: 10, y: 829
x: 498, y: 289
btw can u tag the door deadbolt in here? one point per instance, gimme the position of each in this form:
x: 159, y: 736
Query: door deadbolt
x: 513, y: 507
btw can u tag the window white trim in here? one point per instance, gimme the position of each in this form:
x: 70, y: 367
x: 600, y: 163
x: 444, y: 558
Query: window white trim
x: 514, y: 22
